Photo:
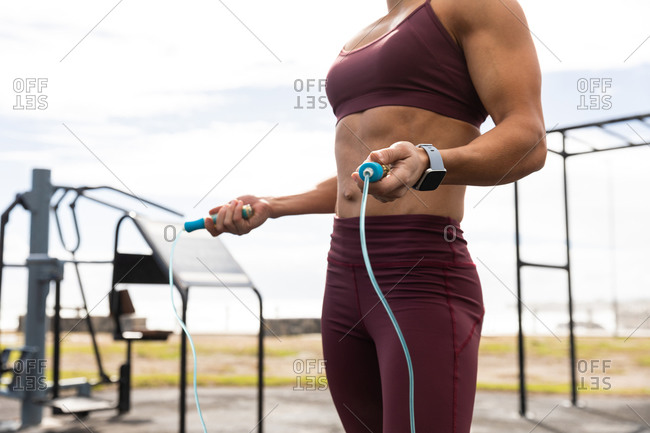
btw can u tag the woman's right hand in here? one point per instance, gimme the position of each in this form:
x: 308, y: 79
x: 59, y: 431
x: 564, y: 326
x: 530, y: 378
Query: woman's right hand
x: 230, y: 219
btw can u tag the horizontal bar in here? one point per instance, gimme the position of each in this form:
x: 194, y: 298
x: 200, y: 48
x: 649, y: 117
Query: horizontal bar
x: 90, y: 262
x: 82, y: 190
x: 541, y: 265
x: 628, y: 146
x: 615, y: 134
x: 81, y: 262
x: 639, y: 117
x: 595, y: 150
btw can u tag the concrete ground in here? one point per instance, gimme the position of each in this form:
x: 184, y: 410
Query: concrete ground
x: 233, y: 410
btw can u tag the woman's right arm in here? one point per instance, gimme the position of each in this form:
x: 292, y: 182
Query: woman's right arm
x: 321, y: 199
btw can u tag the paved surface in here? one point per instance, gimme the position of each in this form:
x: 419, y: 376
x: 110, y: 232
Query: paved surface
x: 233, y: 410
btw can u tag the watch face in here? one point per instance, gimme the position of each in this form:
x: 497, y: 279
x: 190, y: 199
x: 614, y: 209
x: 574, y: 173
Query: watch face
x: 432, y: 180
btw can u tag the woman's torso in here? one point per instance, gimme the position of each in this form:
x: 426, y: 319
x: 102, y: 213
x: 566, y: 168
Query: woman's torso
x: 360, y: 133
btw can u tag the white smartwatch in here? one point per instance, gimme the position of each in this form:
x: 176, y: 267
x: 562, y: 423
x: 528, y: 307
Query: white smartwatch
x: 432, y: 176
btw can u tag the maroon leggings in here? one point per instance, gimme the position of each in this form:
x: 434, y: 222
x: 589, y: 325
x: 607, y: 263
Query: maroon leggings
x: 427, y: 275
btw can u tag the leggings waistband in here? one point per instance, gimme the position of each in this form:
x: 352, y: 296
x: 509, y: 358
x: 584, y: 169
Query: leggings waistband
x: 395, y: 240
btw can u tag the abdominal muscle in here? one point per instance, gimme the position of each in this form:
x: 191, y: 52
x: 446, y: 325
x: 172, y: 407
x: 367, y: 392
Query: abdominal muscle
x: 360, y: 133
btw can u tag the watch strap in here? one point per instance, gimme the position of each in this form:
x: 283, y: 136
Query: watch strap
x: 435, y: 159
x: 432, y: 176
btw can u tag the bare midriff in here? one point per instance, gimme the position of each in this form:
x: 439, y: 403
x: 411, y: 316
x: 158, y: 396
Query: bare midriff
x: 360, y: 133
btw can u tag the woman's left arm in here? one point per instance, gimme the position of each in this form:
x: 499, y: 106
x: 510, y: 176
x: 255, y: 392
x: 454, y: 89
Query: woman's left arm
x: 503, y: 64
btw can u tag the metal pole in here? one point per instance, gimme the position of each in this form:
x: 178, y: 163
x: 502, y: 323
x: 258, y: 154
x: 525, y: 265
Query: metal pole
x: 183, y: 379
x: 260, y: 368
x: 3, y: 222
x: 572, y: 346
x: 56, y: 334
x: 4, y: 219
x: 520, y: 335
x: 38, y: 203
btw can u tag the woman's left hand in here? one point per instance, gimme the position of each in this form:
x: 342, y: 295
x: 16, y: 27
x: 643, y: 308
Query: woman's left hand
x: 407, y: 165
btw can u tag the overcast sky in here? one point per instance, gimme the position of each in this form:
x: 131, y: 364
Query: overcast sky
x: 165, y: 99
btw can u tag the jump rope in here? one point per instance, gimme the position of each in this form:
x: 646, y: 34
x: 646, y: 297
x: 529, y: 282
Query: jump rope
x: 370, y: 172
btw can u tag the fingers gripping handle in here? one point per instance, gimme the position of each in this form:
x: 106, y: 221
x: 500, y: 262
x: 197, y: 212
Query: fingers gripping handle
x: 190, y: 226
x: 374, y: 170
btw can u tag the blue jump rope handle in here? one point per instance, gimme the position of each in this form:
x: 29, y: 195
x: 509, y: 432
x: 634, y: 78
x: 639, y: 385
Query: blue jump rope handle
x: 190, y: 226
x: 374, y: 169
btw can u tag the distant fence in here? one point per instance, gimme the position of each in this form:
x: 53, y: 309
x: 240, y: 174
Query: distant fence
x: 292, y: 326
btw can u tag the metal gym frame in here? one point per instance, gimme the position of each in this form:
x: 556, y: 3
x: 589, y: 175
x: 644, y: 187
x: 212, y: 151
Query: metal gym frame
x: 43, y: 270
x: 565, y: 154
x: 155, y: 272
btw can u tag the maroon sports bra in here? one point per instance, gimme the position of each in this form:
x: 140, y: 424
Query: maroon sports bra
x: 416, y: 64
